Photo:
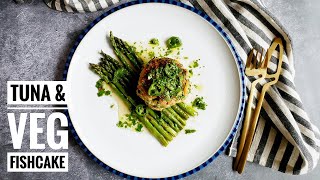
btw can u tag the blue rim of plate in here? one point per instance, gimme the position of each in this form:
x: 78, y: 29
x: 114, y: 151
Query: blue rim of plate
x: 235, y: 54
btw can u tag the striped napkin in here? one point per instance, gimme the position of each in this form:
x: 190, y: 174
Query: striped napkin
x: 285, y: 138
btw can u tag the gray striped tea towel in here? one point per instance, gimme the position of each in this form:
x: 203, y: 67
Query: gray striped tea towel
x: 285, y: 138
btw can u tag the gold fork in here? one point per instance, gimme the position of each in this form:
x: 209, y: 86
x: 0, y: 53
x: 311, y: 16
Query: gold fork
x: 255, y: 66
x: 273, y: 80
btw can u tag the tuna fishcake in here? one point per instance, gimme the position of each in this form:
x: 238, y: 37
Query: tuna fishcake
x: 163, y: 82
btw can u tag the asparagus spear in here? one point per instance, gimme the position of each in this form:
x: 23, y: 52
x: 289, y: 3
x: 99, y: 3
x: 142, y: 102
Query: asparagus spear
x: 98, y: 71
x: 114, y: 64
x: 153, y: 131
x: 110, y: 59
x: 132, y: 52
x: 167, y: 127
x: 117, y: 84
x: 169, y: 115
x: 130, y: 48
x: 187, y: 109
x: 159, y: 128
x: 124, y: 51
x: 105, y: 61
x: 172, y: 124
x: 162, y: 122
x: 183, y: 122
x: 118, y: 53
x: 132, y: 76
x: 179, y: 111
x: 111, y: 75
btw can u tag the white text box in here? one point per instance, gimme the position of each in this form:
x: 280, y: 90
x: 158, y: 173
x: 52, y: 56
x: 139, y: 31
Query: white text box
x: 37, y: 162
x: 37, y: 92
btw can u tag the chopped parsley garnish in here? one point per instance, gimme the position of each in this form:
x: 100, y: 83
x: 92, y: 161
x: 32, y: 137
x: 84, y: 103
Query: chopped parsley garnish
x: 107, y: 92
x: 101, y: 90
x: 112, y: 105
x: 151, y: 54
x: 132, y: 118
x: 139, y: 128
x: 194, y: 64
x: 100, y: 93
x: 120, y: 124
x: 199, y: 103
x: 130, y: 121
x: 154, y: 41
x: 169, y: 51
x: 198, y: 87
x: 99, y: 83
x: 189, y: 131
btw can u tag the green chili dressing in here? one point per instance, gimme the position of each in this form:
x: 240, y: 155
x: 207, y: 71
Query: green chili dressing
x: 173, y: 42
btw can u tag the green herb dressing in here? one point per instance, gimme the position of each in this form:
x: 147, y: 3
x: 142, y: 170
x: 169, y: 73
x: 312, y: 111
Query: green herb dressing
x: 166, y: 81
x: 199, y: 103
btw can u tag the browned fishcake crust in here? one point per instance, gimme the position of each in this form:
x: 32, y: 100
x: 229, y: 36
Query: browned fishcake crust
x: 158, y: 102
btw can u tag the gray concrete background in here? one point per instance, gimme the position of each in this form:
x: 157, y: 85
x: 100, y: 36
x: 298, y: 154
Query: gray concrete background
x: 35, y: 41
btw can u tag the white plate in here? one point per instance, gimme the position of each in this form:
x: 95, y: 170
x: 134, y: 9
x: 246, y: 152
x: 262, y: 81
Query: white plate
x: 140, y: 154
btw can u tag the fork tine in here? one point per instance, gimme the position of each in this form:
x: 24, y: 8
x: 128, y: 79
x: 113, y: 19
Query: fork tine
x: 257, y: 59
x: 254, y: 57
x: 254, y: 60
x: 249, y: 59
x: 262, y: 51
x: 261, y: 62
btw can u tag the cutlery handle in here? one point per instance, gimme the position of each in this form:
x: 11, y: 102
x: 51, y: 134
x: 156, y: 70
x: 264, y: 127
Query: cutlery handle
x: 245, y: 124
x: 252, y: 129
x: 274, y: 79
